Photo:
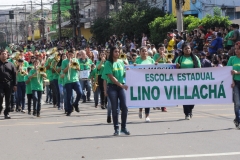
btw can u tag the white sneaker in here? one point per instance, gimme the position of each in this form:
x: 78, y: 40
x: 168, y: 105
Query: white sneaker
x: 148, y: 119
x: 187, y: 117
x: 140, y: 114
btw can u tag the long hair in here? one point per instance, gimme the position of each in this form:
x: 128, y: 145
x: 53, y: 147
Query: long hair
x: 193, y: 56
x: 110, y: 58
x: 60, y: 61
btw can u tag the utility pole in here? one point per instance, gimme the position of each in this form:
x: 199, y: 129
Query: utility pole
x: 59, y: 21
x: 16, y: 28
x: 73, y: 21
x: 42, y: 22
x: 32, y: 27
x: 11, y: 30
x: 78, y: 21
x: 179, y: 5
x: 25, y: 27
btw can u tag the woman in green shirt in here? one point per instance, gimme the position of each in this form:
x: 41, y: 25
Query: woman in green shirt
x: 100, y: 67
x: 21, y: 91
x: 187, y: 60
x: 234, y: 61
x: 143, y: 59
x: 114, y: 69
x: 37, y: 87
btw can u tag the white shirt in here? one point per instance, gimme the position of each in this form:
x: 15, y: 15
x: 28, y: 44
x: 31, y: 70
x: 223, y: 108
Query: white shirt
x: 132, y: 46
x: 95, y: 54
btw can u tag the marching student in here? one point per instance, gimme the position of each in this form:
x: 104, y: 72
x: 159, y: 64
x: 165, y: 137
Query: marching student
x: 71, y: 81
x: 234, y: 61
x: 95, y: 86
x: 187, y: 60
x: 114, y: 69
x: 61, y: 81
x: 28, y: 90
x: 160, y: 57
x: 36, y: 79
x: 55, y: 75
x: 144, y: 60
x: 85, y: 64
x: 21, y: 91
x: 100, y: 67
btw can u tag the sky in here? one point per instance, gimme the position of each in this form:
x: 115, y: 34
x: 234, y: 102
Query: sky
x: 19, y: 2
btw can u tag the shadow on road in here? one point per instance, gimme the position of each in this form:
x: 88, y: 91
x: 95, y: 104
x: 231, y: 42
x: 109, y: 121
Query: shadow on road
x: 162, y: 134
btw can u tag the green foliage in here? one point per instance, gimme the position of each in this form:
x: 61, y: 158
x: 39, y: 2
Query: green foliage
x: 160, y: 26
x: 132, y: 20
x: 101, y: 29
x: 217, y: 11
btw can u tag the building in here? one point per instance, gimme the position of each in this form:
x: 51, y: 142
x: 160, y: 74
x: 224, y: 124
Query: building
x: 200, y: 8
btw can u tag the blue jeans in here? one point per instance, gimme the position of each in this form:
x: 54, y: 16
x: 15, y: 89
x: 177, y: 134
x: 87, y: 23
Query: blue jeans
x: 85, y: 84
x: 109, y: 107
x: 114, y: 93
x: 13, y: 99
x: 236, y: 99
x: 37, y: 97
x: 77, y: 88
x: 48, y: 93
x: 61, y: 93
x: 21, y: 93
x: 96, y: 96
x: 57, y: 94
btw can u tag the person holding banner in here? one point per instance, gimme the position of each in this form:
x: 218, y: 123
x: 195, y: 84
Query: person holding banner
x: 114, y: 69
x: 187, y: 60
x: 234, y: 61
x: 144, y: 60
x: 161, y: 58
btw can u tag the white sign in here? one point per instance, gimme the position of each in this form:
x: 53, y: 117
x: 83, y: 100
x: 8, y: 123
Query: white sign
x: 169, y: 87
x: 84, y: 74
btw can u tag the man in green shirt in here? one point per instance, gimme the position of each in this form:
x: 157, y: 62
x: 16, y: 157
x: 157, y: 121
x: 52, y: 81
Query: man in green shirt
x: 71, y: 81
x: 85, y: 64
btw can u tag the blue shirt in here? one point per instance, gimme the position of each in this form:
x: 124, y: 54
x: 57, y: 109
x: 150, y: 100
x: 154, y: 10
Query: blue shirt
x: 214, y: 44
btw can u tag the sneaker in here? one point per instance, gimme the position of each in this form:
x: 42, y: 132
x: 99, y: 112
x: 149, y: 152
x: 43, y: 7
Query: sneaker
x: 116, y: 133
x: 148, y: 119
x: 34, y: 113
x: 140, y: 114
x: 191, y: 116
x: 158, y: 108
x: 125, y: 131
x: 187, y: 117
x: 54, y: 106
x: 38, y: 115
x: 68, y: 114
x: 29, y: 112
x: 236, y: 123
x: 163, y: 109
x: 59, y: 108
x: 22, y: 111
x: 154, y: 108
x: 109, y: 119
x: 7, y: 117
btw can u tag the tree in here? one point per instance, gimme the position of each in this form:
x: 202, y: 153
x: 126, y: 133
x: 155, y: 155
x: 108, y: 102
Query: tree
x: 132, y: 20
x: 217, y: 11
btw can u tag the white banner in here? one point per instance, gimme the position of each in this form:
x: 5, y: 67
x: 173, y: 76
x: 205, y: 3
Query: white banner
x: 171, y: 87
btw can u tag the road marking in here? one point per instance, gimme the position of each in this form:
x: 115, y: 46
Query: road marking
x: 183, y: 156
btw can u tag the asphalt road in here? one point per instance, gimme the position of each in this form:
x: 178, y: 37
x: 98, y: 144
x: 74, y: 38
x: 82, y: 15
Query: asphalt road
x: 211, y: 134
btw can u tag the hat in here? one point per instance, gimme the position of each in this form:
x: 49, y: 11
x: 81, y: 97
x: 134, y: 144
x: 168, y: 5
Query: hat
x: 202, y: 53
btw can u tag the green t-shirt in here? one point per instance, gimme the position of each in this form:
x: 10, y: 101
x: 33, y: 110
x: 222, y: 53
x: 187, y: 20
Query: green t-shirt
x: 228, y: 42
x: 101, y: 69
x: 25, y: 64
x: 20, y: 77
x: 234, y: 61
x: 55, y: 75
x: 49, y: 71
x: 72, y: 76
x: 31, y: 65
x: 93, y: 74
x: 85, y: 64
x: 146, y: 61
x: 28, y: 86
x: 162, y: 60
x: 36, y: 82
x: 116, y: 69
x: 187, y: 62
